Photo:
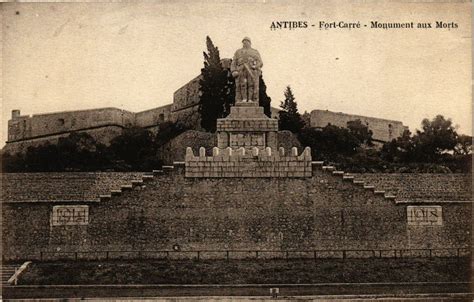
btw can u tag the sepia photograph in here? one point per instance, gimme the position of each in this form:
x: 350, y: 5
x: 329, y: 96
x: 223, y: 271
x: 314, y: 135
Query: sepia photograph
x: 247, y: 150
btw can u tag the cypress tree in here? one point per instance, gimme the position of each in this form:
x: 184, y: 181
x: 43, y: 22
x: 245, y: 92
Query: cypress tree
x: 290, y: 119
x: 216, y: 86
x: 263, y: 99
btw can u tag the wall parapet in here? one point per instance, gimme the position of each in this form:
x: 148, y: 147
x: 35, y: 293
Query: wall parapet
x: 253, y: 162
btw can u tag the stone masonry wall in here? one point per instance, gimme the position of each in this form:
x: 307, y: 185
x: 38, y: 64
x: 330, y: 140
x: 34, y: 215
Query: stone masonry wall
x: 57, y: 122
x: 248, y: 163
x: 384, y: 130
x: 174, y: 151
x: 103, y: 135
x: 187, y: 95
x: 419, y: 187
x: 62, y: 187
x: 153, y: 116
x: 323, y: 212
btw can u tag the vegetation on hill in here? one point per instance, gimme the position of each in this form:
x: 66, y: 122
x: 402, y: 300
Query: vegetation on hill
x: 136, y: 149
x: 436, y: 148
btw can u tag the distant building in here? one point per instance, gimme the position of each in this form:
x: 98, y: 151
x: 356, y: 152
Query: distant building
x: 383, y: 130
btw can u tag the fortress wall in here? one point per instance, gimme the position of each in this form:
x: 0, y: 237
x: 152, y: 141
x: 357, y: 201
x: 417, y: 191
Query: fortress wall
x: 19, y: 127
x: 187, y: 95
x: 53, y: 123
x: 153, y: 116
x: 74, y: 120
x: 384, y: 130
x: 188, y: 116
x: 101, y: 134
x: 322, y: 212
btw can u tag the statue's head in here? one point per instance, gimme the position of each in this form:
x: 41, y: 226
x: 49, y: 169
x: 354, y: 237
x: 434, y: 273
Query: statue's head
x: 246, y: 42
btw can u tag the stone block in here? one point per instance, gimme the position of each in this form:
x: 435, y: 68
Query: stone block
x: 242, y: 255
x: 300, y: 255
x: 329, y: 254
x: 212, y: 255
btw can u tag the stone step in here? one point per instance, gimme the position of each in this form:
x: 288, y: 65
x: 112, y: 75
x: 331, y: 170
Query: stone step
x: 147, y: 177
x: 105, y: 197
x: 155, y: 172
x: 168, y: 167
x: 338, y: 172
x: 369, y: 187
x: 317, y: 163
x: 126, y: 187
x: 390, y: 196
x: 348, y: 177
x: 137, y: 182
x: 358, y: 182
x: 329, y: 168
x: 7, y: 276
x: 379, y: 192
x: 115, y: 192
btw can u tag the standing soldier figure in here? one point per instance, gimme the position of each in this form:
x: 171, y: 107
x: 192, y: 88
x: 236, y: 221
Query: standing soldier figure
x: 245, y: 69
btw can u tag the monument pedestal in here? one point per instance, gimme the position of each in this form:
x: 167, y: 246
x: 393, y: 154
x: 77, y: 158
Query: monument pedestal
x: 247, y: 126
x: 247, y: 146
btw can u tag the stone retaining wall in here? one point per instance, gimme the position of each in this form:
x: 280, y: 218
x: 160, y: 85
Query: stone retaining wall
x: 61, y: 187
x: 421, y: 186
x: 169, y: 211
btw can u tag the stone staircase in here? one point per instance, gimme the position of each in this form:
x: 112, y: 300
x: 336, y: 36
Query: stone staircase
x: 139, y: 184
x: 351, y: 178
x: 8, y: 270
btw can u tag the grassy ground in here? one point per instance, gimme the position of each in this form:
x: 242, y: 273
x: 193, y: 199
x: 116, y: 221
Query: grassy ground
x: 248, y: 271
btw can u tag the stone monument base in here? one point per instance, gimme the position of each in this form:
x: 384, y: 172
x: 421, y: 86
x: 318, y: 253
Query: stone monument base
x: 247, y: 126
x: 242, y: 163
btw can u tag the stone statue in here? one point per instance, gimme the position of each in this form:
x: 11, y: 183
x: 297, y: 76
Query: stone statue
x: 245, y: 69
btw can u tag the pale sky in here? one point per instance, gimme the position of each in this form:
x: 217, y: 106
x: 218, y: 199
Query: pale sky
x: 70, y: 56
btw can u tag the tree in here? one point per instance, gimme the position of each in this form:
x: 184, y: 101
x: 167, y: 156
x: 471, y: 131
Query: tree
x: 263, y: 99
x: 217, y: 89
x: 361, y: 131
x: 136, y: 148
x: 290, y: 119
x: 399, y: 149
x: 306, y: 117
x: 43, y: 158
x: 464, y: 145
x: 13, y: 162
x: 75, y: 152
x: 81, y: 152
x: 437, y: 136
x: 330, y: 142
